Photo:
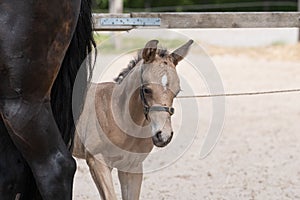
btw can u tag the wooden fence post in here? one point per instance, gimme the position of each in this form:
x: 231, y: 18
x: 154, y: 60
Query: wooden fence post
x: 116, y: 6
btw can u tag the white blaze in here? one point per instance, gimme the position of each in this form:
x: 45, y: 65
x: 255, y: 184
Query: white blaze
x: 164, y: 81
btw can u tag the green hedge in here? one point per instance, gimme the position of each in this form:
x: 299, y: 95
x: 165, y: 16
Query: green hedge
x: 199, y: 6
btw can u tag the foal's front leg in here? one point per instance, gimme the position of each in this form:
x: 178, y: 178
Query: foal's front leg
x: 101, y: 174
x: 130, y: 184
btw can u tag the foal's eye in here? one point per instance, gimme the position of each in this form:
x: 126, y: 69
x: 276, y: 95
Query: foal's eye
x: 147, y: 91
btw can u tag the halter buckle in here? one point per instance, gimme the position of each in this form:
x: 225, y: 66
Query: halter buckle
x: 171, y: 110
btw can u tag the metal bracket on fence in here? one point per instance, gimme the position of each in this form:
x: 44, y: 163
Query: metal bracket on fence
x: 130, y: 21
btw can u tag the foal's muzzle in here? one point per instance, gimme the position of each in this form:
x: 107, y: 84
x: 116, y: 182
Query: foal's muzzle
x: 160, y: 141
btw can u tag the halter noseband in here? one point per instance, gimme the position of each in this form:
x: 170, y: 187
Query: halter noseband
x: 146, y: 107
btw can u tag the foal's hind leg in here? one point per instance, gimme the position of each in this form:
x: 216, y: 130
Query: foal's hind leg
x: 34, y: 132
x: 130, y: 185
x: 102, y: 177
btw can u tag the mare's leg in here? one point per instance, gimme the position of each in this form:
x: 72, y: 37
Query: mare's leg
x: 34, y: 38
x: 130, y: 185
x: 102, y: 177
x: 34, y: 132
x: 16, y: 178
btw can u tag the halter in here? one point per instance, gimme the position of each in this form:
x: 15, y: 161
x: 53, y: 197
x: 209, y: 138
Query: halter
x: 146, y: 107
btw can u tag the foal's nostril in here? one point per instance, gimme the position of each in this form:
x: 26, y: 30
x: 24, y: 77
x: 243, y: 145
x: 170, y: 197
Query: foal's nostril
x: 158, y: 135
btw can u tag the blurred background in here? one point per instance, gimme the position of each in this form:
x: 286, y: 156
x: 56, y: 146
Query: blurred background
x: 229, y: 38
x: 257, y: 156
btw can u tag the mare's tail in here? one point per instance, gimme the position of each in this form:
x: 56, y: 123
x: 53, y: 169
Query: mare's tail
x: 81, y: 45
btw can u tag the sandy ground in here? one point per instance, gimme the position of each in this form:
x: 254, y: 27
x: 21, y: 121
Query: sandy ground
x: 258, y: 153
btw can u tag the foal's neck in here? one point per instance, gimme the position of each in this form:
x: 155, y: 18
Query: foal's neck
x: 129, y: 101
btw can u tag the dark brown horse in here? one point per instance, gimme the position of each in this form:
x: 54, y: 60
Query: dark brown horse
x: 42, y: 45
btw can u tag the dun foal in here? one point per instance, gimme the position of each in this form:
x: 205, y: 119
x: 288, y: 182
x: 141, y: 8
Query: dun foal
x: 122, y: 121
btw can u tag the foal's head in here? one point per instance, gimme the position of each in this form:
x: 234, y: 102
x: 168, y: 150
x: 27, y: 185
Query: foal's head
x: 159, y: 85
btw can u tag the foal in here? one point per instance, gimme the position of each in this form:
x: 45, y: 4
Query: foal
x: 122, y: 121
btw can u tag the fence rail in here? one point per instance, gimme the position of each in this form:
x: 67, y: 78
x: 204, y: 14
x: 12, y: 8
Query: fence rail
x: 208, y: 20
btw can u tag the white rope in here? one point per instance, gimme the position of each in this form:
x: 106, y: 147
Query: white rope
x: 240, y: 94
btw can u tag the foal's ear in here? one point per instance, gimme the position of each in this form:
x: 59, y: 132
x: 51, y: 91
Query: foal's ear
x: 149, y: 51
x: 181, y: 52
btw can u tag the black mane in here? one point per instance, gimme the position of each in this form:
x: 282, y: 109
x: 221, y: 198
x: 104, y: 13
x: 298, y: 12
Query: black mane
x: 161, y: 52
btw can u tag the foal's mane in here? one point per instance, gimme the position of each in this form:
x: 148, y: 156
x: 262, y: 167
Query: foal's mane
x: 161, y: 52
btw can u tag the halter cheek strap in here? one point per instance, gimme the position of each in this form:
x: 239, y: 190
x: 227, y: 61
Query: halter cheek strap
x: 146, y: 107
